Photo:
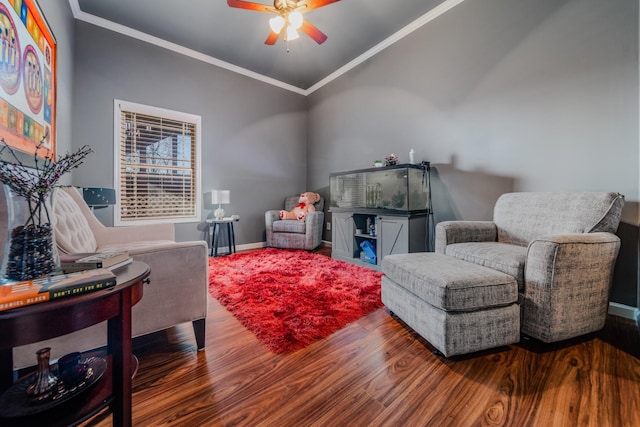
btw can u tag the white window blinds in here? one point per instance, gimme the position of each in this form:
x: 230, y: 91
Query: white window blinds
x: 157, y: 165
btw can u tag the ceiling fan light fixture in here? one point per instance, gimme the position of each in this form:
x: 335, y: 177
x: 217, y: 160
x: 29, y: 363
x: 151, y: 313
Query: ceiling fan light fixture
x: 295, y: 19
x: 289, y: 18
x: 276, y: 24
x: 292, y: 34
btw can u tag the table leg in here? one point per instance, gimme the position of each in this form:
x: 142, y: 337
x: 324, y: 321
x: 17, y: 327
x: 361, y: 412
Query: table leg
x: 6, y: 369
x: 120, y: 347
x: 233, y: 239
x: 212, y: 232
x: 216, y: 232
x: 207, y: 235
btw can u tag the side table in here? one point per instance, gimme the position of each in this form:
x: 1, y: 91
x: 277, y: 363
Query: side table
x: 38, y: 322
x: 215, y: 234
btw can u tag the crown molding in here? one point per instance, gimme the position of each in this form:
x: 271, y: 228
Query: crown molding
x: 418, y: 23
x: 139, y: 35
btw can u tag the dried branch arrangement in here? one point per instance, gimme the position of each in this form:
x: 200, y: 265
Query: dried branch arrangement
x: 31, y: 246
x: 36, y: 183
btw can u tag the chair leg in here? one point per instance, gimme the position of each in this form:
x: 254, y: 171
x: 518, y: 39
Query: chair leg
x: 199, y: 327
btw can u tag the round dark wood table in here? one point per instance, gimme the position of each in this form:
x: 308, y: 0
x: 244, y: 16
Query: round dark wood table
x: 50, y: 319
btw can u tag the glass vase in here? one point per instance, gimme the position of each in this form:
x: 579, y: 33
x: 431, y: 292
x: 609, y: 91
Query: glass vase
x: 44, y: 381
x: 30, y: 250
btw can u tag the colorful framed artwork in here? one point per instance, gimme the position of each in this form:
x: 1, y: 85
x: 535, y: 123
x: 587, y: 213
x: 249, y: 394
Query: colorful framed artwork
x: 27, y: 78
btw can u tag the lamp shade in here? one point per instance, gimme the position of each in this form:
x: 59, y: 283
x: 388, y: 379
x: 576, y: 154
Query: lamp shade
x: 295, y: 19
x: 220, y: 196
x: 98, y: 197
x: 292, y: 34
x: 276, y: 24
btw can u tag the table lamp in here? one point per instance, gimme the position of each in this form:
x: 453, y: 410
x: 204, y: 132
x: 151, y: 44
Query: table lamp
x: 220, y: 197
x: 97, y: 198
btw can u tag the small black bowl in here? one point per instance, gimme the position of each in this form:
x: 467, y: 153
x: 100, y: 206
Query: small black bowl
x: 68, y: 366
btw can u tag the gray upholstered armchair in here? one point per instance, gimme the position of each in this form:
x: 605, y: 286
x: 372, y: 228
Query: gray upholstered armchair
x: 560, y: 247
x: 294, y: 234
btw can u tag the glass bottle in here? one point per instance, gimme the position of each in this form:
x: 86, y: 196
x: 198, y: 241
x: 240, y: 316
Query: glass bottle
x: 45, y: 381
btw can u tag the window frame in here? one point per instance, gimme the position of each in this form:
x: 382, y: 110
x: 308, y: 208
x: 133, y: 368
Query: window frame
x: 121, y: 105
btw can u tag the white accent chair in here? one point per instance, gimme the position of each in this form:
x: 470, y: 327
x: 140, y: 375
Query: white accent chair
x: 177, y: 292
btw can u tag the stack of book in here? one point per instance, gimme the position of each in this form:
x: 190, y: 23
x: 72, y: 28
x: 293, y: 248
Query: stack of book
x: 19, y: 294
x: 88, y: 261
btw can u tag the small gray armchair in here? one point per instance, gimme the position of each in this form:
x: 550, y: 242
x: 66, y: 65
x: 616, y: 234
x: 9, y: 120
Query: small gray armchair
x: 294, y: 234
x: 561, y: 249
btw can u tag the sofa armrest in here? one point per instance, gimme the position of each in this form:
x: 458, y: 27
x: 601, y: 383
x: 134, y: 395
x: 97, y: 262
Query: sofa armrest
x: 576, y: 254
x: 177, y: 289
x: 450, y: 232
x: 135, y: 233
x: 270, y: 217
x: 567, y: 282
x: 315, y: 222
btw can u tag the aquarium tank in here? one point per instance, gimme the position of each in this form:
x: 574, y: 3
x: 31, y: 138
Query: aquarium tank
x: 400, y: 189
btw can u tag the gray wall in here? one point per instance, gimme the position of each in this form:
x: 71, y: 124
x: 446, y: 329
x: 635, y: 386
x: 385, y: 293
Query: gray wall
x: 499, y: 95
x: 253, y: 134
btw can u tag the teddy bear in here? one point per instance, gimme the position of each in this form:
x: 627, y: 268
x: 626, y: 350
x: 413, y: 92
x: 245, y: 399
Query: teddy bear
x: 304, y: 206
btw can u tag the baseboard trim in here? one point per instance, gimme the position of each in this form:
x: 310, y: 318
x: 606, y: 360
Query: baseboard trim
x: 621, y: 310
x: 249, y: 246
x: 257, y: 245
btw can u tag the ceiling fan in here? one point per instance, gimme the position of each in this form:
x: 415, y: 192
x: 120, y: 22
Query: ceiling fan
x: 289, y: 19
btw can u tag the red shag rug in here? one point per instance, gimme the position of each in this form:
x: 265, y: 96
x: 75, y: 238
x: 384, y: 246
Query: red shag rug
x: 290, y: 298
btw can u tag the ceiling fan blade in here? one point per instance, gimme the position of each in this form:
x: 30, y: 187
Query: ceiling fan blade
x: 251, y: 6
x: 313, y: 32
x: 272, y: 39
x: 314, y: 4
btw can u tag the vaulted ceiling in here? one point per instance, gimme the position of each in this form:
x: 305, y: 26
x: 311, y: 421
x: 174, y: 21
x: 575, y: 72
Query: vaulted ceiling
x: 234, y: 38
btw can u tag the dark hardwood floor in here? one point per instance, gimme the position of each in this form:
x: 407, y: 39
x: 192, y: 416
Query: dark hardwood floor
x: 378, y: 372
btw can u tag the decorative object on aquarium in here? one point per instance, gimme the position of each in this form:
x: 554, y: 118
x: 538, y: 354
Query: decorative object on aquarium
x: 391, y: 160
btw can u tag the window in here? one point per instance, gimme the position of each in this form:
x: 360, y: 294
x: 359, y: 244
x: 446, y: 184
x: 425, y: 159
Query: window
x: 157, y: 166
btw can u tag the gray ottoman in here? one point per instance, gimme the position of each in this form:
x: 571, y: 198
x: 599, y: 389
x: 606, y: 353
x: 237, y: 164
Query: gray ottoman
x: 457, y: 306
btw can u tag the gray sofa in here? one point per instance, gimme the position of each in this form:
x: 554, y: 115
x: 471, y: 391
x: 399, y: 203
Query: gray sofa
x: 561, y: 249
x: 177, y: 292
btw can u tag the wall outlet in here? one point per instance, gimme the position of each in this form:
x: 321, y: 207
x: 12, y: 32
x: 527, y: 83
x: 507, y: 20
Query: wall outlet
x: 328, y: 226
